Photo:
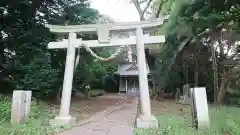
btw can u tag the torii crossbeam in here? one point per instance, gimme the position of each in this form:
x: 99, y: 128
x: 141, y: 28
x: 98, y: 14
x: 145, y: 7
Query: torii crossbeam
x: 145, y: 120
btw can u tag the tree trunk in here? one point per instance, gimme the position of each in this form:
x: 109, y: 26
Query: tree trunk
x: 186, y: 72
x: 223, y: 89
x: 86, y: 94
x: 160, y: 87
x: 196, y: 69
x: 154, y: 86
x: 214, y: 66
x: 34, y: 7
x: 58, y: 95
x: 74, y: 93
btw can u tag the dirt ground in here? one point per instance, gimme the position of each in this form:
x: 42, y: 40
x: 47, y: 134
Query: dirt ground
x: 164, y: 106
x: 82, y: 108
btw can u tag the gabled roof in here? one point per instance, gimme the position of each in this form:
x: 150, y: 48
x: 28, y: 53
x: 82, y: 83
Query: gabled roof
x: 133, y: 67
x: 129, y: 69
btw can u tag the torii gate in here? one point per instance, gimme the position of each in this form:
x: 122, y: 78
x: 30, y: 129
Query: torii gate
x: 145, y: 120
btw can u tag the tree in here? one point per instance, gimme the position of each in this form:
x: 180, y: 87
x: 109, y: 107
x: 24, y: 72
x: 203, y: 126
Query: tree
x: 24, y: 39
x: 200, y: 21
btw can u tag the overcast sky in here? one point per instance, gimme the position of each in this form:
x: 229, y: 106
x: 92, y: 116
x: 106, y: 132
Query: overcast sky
x: 119, y: 10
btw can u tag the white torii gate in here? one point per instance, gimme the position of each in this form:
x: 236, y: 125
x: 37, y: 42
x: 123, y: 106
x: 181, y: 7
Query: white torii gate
x: 145, y: 120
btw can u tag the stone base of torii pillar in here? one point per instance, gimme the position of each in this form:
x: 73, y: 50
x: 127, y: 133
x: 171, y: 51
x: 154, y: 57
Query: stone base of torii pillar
x: 146, y: 122
x: 59, y: 120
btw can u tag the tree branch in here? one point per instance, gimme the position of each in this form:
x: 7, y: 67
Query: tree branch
x: 179, y: 49
x: 137, y: 5
x: 208, y: 31
x: 145, y: 9
x: 159, y: 9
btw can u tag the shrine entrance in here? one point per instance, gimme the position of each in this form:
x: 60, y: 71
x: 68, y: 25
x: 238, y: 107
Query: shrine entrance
x: 132, y: 85
x: 142, y: 37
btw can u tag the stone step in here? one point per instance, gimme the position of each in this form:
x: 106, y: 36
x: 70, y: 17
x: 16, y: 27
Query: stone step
x: 133, y: 93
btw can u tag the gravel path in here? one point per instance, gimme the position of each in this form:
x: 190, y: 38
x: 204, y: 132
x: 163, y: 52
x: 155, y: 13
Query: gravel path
x: 116, y: 120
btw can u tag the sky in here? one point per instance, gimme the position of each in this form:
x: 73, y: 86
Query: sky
x: 119, y: 10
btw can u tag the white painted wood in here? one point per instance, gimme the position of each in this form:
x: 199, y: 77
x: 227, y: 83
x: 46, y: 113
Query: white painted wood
x: 113, y: 42
x: 68, y: 77
x: 142, y: 74
x: 200, y: 107
x: 112, y: 27
x: 103, y: 34
x: 78, y: 57
x: 18, y: 107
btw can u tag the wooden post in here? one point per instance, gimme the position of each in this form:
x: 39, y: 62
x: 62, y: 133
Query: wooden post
x: 145, y: 120
x: 103, y: 34
x: 142, y: 75
x: 68, y: 76
x: 64, y: 117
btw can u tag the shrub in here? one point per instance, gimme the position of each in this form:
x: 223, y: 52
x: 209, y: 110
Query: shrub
x: 96, y: 92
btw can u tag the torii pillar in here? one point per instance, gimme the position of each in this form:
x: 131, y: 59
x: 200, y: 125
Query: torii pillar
x: 145, y: 119
x: 64, y: 117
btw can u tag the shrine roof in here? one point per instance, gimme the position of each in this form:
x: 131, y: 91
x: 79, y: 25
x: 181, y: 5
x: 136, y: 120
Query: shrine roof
x: 129, y: 69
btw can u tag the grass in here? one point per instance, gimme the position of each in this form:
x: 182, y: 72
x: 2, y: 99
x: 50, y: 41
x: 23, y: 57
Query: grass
x: 37, y: 124
x: 224, y: 121
x: 38, y: 121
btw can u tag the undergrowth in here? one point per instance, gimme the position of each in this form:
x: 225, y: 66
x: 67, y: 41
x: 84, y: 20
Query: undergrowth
x: 37, y: 124
x: 223, y: 121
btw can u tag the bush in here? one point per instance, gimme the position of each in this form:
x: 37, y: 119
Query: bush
x: 110, y: 84
x: 96, y: 92
x: 37, y: 76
